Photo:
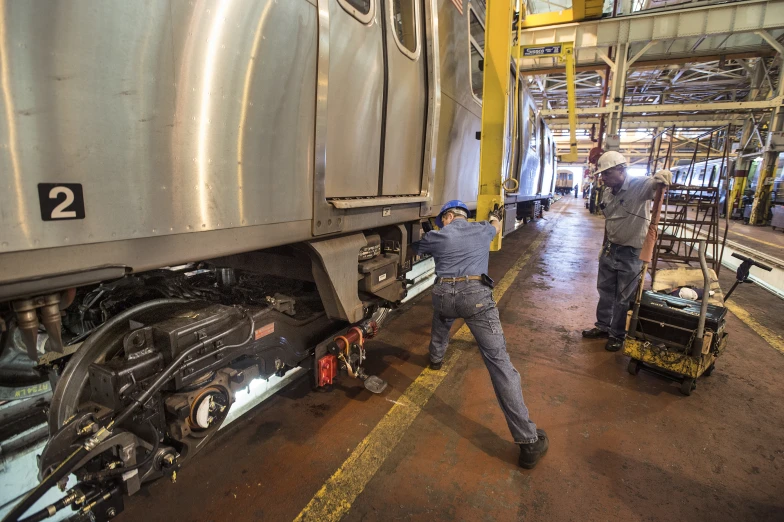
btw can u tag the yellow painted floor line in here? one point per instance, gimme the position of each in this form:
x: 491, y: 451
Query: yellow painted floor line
x: 772, y: 338
x: 757, y: 240
x: 335, y: 497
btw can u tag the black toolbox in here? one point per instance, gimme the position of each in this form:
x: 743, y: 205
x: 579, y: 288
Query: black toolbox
x: 674, y: 320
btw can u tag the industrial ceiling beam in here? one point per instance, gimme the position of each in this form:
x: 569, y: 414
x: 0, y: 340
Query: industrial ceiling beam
x: 694, y: 23
x: 675, y: 107
x: 648, y: 124
x: 657, y: 63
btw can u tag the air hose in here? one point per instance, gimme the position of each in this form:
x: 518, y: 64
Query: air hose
x: 45, y: 485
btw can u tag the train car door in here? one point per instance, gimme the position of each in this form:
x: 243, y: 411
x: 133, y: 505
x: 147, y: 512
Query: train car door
x: 403, y: 132
x: 354, y: 99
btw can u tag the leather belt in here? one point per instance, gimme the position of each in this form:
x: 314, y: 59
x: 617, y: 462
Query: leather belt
x: 458, y: 279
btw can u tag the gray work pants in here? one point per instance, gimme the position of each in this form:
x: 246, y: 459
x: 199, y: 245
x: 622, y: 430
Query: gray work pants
x: 473, y: 301
x: 619, y: 275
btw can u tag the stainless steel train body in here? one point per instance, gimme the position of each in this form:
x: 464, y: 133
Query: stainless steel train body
x: 713, y: 173
x: 252, y: 142
x: 702, y: 173
x: 196, y: 129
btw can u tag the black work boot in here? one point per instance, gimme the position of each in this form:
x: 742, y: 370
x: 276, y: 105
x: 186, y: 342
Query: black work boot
x: 595, y: 333
x: 435, y: 366
x: 613, y: 344
x: 531, y: 453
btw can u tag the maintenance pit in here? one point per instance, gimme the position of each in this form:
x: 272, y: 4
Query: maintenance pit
x: 434, y: 445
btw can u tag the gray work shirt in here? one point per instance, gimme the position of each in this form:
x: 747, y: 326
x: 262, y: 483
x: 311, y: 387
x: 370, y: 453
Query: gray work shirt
x: 459, y: 249
x: 628, y: 212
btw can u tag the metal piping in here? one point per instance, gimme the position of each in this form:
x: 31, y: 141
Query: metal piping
x: 696, y: 348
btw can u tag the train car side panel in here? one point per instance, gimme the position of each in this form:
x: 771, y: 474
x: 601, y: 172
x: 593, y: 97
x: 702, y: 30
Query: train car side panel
x: 457, y: 165
x: 458, y: 161
x: 531, y: 143
x: 170, y: 102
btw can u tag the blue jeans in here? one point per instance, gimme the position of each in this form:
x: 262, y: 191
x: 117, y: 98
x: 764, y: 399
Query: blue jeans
x: 473, y: 301
x: 619, y: 275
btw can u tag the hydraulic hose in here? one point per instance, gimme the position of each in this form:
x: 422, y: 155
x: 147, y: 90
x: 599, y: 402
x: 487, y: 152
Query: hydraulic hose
x: 63, y: 470
x: 51, y: 509
x: 68, y: 465
x: 45, y: 485
x: 109, y: 473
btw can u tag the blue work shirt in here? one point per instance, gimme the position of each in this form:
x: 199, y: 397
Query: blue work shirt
x: 461, y: 248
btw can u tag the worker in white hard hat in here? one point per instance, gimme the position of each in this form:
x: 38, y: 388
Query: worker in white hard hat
x: 627, y: 211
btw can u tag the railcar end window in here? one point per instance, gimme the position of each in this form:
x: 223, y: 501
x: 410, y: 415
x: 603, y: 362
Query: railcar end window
x: 477, y: 29
x: 405, y: 20
x: 477, y: 75
x: 359, y: 9
x: 476, y: 46
x: 363, y: 6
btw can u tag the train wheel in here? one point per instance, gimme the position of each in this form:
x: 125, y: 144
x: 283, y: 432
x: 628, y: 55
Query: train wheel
x: 73, y: 386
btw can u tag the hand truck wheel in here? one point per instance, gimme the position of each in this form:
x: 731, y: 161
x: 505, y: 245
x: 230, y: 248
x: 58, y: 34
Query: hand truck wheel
x: 634, y: 366
x: 687, y: 385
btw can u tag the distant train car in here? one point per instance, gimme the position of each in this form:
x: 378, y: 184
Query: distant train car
x: 713, y: 173
x: 217, y: 195
x: 705, y: 174
x: 564, y: 182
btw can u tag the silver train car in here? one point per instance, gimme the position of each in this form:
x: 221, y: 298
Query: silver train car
x: 195, y: 194
x: 702, y: 173
x: 712, y: 173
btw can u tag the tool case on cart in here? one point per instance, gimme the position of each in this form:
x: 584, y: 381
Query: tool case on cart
x: 674, y: 320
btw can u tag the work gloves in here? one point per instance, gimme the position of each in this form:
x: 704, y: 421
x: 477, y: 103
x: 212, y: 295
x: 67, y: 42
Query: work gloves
x: 497, y: 213
x: 663, y: 176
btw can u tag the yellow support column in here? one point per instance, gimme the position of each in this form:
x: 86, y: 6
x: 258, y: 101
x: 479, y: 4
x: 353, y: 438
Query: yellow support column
x: 568, y: 57
x: 564, y: 52
x: 495, y: 96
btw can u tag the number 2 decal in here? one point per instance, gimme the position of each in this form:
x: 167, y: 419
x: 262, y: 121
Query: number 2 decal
x: 61, y: 201
x: 59, y: 211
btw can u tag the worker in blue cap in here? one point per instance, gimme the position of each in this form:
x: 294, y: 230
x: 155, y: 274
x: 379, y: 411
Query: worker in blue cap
x: 461, y: 250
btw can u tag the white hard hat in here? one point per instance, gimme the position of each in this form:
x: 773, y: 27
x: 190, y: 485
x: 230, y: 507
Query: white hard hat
x: 609, y: 160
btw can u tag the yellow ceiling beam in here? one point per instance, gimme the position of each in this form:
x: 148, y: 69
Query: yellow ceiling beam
x: 581, y: 10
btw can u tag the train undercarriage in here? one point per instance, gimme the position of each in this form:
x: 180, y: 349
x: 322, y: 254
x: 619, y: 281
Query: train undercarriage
x: 144, y: 369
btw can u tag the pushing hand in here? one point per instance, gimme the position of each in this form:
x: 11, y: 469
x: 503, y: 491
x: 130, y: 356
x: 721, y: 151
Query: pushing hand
x: 497, y: 213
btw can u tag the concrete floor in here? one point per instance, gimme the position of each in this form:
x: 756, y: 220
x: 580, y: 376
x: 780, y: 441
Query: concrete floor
x: 622, y: 447
x: 765, y: 239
